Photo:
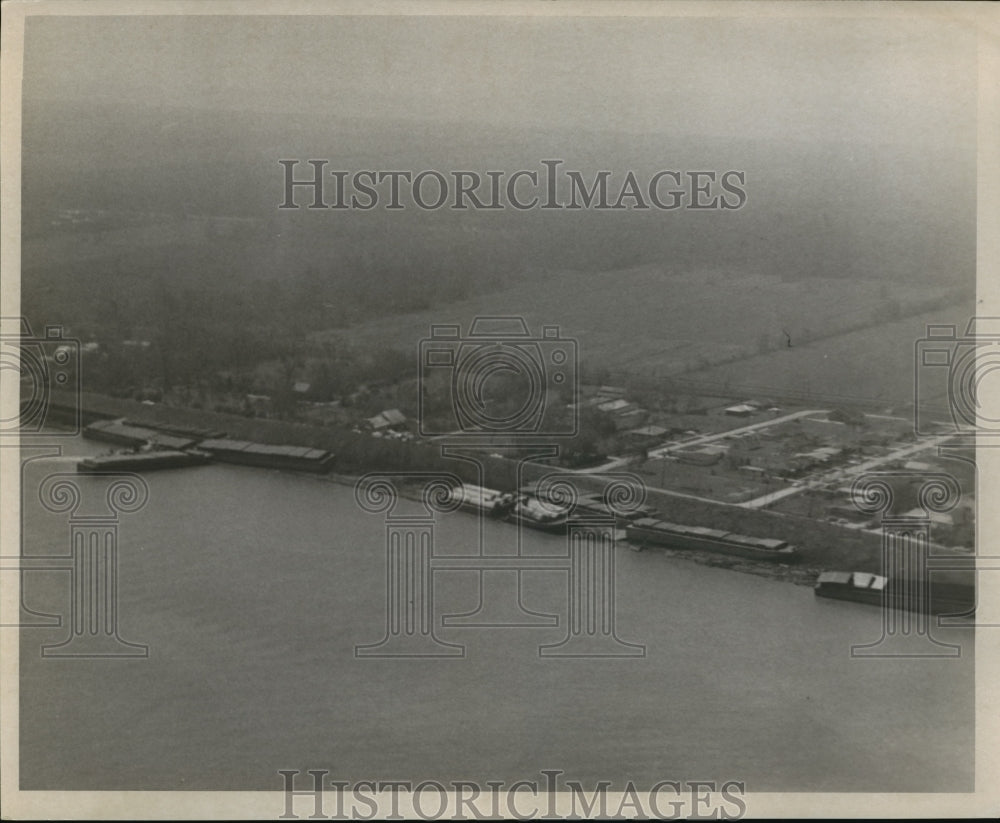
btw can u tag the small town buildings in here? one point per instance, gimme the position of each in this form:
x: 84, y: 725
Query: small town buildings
x: 390, y: 419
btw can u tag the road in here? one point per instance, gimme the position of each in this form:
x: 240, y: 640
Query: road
x: 772, y: 497
x: 709, y: 438
x: 844, y: 473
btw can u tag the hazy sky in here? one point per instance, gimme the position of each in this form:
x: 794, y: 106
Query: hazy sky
x: 864, y: 80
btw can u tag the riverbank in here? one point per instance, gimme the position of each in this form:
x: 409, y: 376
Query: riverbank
x: 821, y: 546
x: 798, y: 574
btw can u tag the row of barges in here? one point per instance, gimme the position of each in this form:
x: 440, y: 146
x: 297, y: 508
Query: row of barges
x: 641, y: 530
x: 537, y: 511
x: 521, y: 509
x: 172, y: 447
x: 167, y: 448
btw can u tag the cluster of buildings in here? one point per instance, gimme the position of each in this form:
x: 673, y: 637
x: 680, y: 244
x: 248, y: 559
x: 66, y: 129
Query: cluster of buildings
x: 390, y: 423
x: 611, y: 401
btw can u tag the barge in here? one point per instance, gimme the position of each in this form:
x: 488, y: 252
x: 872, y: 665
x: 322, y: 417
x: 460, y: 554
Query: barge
x: 123, y: 433
x: 480, y: 499
x: 141, y: 461
x: 649, y: 531
x: 875, y: 590
x: 181, y: 431
x: 589, y: 506
x: 534, y: 514
x: 246, y: 453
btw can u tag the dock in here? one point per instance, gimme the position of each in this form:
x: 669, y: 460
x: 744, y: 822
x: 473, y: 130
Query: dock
x: 123, y: 433
x: 243, y: 452
x: 141, y: 461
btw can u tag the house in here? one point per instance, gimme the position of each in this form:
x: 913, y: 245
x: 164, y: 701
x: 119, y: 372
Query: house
x: 628, y: 420
x: 741, y: 410
x: 390, y: 419
x: 618, y: 406
x: 611, y: 392
x: 623, y: 414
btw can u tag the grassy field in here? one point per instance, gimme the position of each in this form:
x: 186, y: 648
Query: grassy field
x: 726, y: 329
x: 716, y: 326
x: 870, y: 364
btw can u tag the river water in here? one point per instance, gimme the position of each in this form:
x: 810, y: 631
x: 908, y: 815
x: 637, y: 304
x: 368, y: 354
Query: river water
x: 251, y: 589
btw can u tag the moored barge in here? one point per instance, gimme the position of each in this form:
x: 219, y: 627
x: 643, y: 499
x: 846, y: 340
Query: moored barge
x: 534, y: 514
x: 649, y: 531
x: 875, y: 590
x: 246, y: 453
x: 124, y: 433
x: 140, y: 461
x: 480, y: 499
x: 588, y: 506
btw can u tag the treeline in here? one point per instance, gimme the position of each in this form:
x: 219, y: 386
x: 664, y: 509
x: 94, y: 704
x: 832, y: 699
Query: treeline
x: 157, y: 329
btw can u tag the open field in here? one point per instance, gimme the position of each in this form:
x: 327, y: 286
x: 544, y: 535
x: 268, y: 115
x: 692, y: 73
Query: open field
x: 874, y: 364
x: 653, y: 322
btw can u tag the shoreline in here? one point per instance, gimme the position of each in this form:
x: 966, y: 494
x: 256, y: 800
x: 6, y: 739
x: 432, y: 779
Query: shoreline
x: 822, y: 546
x: 785, y: 573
